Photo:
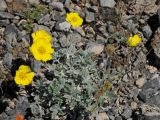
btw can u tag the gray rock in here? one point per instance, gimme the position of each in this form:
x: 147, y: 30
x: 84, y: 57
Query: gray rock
x: 118, y: 118
x: 152, y: 84
x: 64, y: 41
x: 111, y: 28
x: 80, y: 31
x: 151, y: 92
x: 125, y: 78
x: 95, y: 48
x: 74, y: 38
x: 90, y: 16
x: 145, y: 95
x: 37, y: 66
x: 44, y: 19
x: 129, y: 24
x: 63, y: 26
x: 127, y: 113
x: 3, y: 5
x: 7, y: 60
x: 47, y: 1
x: 34, y: 2
x: 6, y: 15
x: 11, y: 29
x: 107, y: 3
x: 147, y: 31
x: 154, y: 100
x: 57, y: 6
x: 4, y: 22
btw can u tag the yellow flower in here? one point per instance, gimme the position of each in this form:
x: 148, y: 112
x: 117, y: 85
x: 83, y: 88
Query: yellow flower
x: 42, y: 51
x: 41, y: 34
x: 24, y: 76
x: 74, y: 19
x: 134, y: 40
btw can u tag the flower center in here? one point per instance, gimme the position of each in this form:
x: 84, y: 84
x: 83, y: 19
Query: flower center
x: 22, y: 76
x: 74, y: 19
x: 41, y: 50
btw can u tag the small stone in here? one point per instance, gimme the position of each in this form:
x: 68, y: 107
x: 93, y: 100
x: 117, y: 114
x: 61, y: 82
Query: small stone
x: 11, y: 104
x: 7, y: 60
x: 90, y: 16
x: 140, y: 82
x: 57, y: 6
x: 47, y: 1
x: 11, y: 29
x: 34, y: 2
x: 64, y: 41
x: 103, y: 116
x: 63, y: 26
x: 133, y: 105
x: 118, y: 118
x: 4, y: 22
x: 127, y: 113
x: 125, y: 78
x: 107, y: 3
x: 74, y: 38
x: 155, y: 100
x: 37, y: 66
x: 6, y: 15
x: 95, y: 48
x: 80, y: 31
x: 3, y: 5
x: 147, y: 31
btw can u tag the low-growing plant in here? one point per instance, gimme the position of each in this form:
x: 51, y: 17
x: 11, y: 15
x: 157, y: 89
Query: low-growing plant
x: 35, y: 12
x: 32, y: 14
x: 78, y: 84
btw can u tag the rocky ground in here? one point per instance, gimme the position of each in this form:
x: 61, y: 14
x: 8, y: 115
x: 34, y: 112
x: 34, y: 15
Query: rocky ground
x: 107, y: 25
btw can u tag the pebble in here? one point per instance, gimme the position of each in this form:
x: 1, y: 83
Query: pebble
x: 63, y: 26
x: 90, y: 17
x: 4, y: 22
x: 64, y: 41
x: 74, y: 38
x: 6, y: 15
x: 133, y: 105
x: 103, y: 116
x: 57, y: 6
x: 3, y: 5
x: 140, y: 82
x: 34, y: 2
x: 127, y: 113
x: 95, y: 48
x: 107, y: 3
x: 147, y: 31
x: 80, y: 31
x: 37, y: 66
x: 7, y: 60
